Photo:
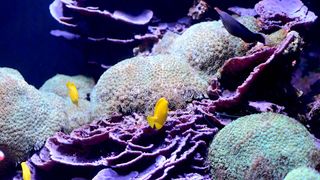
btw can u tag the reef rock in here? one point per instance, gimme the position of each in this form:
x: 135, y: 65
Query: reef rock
x: 261, y: 146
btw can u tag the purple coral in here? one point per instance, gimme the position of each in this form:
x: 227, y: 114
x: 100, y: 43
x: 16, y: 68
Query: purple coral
x: 287, y: 14
x: 239, y: 78
x: 94, y: 19
x: 125, y: 146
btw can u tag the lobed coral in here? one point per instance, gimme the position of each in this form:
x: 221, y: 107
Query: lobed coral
x: 304, y: 173
x: 126, y: 147
x: 57, y: 85
x: 134, y: 85
x: 261, y: 146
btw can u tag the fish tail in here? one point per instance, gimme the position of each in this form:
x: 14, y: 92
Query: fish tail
x: 158, y: 126
x: 151, y: 121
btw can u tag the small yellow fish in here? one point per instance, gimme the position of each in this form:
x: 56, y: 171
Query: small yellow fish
x: 160, y: 114
x: 73, y: 92
x: 26, y: 174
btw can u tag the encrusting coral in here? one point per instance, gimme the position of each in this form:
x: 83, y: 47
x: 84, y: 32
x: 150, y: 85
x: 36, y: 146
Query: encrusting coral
x: 303, y: 173
x: 261, y: 146
x: 134, y: 85
x: 28, y: 117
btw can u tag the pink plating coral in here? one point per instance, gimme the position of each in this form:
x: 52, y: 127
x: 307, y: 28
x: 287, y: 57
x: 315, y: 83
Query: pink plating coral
x: 287, y: 14
x: 128, y: 147
x: 239, y: 75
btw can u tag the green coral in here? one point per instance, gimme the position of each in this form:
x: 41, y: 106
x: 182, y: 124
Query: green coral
x: 261, y: 146
x: 207, y: 45
x: 134, y: 85
x: 303, y: 173
x: 57, y: 85
x: 28, y: 117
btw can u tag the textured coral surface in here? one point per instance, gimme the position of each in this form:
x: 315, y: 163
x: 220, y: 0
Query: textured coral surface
x: 207, y: 45
x: 27, y: 117
x: 134, y: 85
x: 304, y: 173
x: 261, y: 146
x: 57, y: 85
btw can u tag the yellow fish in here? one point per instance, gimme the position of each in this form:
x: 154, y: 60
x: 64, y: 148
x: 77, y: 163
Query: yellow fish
x: 26, y: 174
x: 160, y: 114
x: 73, y: 93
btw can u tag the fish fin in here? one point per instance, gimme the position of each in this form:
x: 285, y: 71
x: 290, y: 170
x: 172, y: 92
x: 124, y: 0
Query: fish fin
x: 158, y: 125
x: 160, y: 101
x: 235, y: 28
x: 76, y: 102
x: 68, y: 84
x: 151, y: 121
x: 26, y: 174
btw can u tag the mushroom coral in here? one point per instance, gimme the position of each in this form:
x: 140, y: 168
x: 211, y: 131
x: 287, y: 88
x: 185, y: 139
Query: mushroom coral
x: 126, y: 147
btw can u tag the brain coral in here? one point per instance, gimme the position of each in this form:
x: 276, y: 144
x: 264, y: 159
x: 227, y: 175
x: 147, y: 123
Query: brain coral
x: 207, y: 45
x: 304, y: 173
x: 28, y: 116
x: 57, y: 85
x: 134, y: 85
x: 261, y: 146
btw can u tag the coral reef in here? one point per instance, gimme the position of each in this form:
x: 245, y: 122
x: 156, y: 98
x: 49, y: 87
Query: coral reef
x: 126, y: 147
x: 57, y: 85
x: 238, y: 75
x: 283, y: 14
x: 29, y: 117
x: 208, y: 54
x: 134, y: 85
x: 226, y: 57
x: 304, y: 173
x: 261, y: 146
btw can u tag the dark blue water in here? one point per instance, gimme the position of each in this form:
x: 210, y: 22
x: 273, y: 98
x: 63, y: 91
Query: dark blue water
x: 26, y: 43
